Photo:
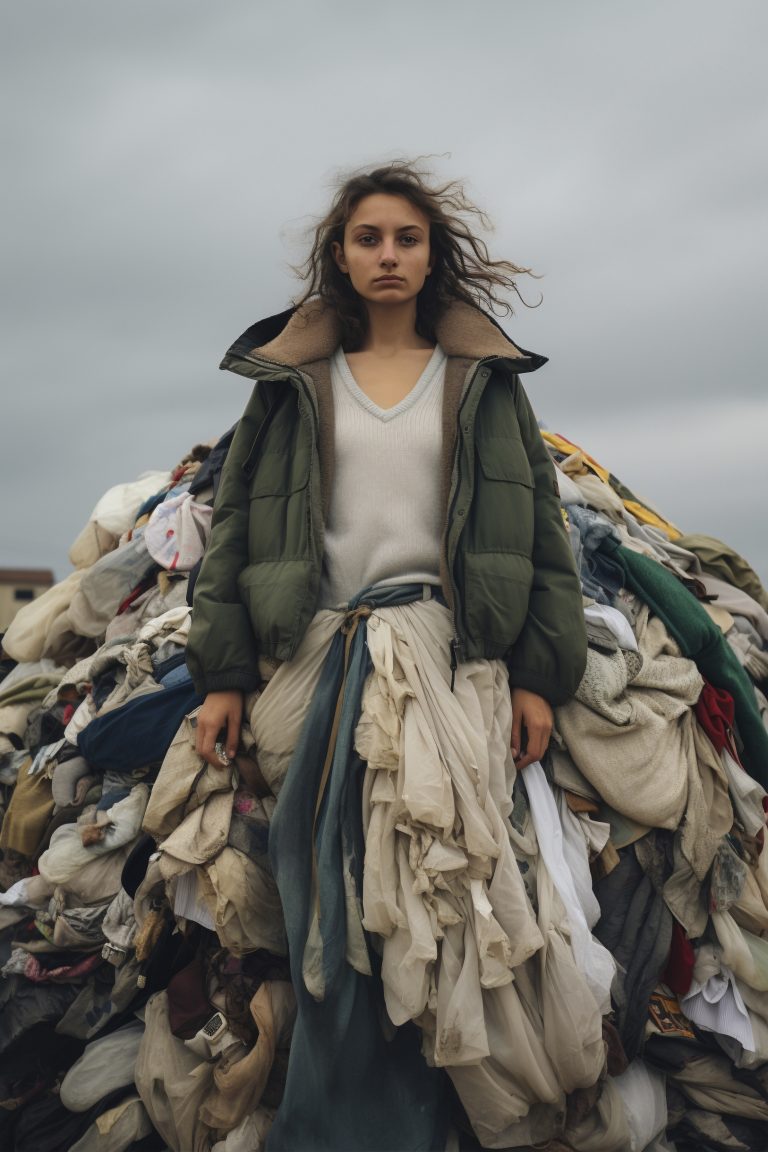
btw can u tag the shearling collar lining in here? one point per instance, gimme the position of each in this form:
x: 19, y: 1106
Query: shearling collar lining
x: 303, y: 336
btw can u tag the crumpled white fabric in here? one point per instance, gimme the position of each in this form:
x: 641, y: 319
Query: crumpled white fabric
x: 107, y: 1063
x: 463, y: 952
x: 614, y: 620
x: 437, y: 793
x: 649, y: 710
x: 742, y: 952
x: 580, y: 833
x: 178, y: 531
x: 67, y: 854
x: 594, y: 961
x: 643, y: 1092
x: 29, y: 892
x: 714, y: 1001
x: 116, y: 510
x: 746, y: 794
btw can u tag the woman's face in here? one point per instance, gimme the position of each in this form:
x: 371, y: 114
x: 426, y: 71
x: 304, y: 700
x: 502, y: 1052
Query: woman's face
x: 386, y: 249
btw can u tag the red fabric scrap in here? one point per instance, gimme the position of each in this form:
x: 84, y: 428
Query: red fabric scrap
x: 678, y: 973
x: 715, y: 713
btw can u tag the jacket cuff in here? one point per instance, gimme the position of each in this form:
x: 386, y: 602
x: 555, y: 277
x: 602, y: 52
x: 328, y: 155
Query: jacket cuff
x: 227, y: 682
x: 541, y: 685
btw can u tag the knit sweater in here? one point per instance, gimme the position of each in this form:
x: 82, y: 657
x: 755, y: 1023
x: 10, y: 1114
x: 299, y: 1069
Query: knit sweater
x: 384, y: 524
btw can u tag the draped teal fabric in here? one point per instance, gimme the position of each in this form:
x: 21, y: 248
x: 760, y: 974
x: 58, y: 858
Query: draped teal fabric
x: 353, y: 1081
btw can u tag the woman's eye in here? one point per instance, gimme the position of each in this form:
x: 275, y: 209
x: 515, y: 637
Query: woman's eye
x: 409, y: 241
x: 367, y: 240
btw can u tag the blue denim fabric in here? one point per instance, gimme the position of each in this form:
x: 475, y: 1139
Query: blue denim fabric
x: 348, y: 1085
x: 601, y: 577
x: 138, y: 733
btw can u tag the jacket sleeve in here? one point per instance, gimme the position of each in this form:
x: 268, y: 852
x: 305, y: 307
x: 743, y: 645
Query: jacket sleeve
x: 221, y: 649
x: 549, y: 655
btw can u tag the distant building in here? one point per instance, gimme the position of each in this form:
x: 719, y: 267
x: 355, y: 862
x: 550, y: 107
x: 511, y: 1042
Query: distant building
x: 17, y: 587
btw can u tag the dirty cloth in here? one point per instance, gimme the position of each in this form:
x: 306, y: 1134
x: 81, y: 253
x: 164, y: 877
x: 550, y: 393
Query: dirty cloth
x: 701, y: 640
x: 139, y: 732
x: 67, y: 854
x: 644, y: 700
x: 594, y: 961
x: 720, y: 560
x: 106, y: 1064
x: 221, y: 856
x: 104, y: 586
x: 714, y: 1001
x: 117, y: 509
x: 238, y: 1084
x: 26, y: 636
x: 178, y: 531
x: 26, y: 818
x: 119, y: 1129
x: 636, y: 927
x: 600, y: 577
x: 185, y: 782
x: 645, y: 1103
x: 171, y: 1081
x: 23, y: 689
x: 738, y: 603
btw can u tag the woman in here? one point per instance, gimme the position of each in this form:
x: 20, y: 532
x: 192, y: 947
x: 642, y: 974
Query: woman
x: 388, y: 535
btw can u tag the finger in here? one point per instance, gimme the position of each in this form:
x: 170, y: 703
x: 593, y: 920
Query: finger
x: 233, y: 733
x: 208, y: 731
x: 524, y: 761
x: 201, y: 738
x: 517, y: 721
x: 207, y: 749
x: 538, y: 739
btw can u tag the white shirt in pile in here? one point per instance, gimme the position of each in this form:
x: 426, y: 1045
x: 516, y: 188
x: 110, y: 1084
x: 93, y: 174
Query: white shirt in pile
x: 384, y: 525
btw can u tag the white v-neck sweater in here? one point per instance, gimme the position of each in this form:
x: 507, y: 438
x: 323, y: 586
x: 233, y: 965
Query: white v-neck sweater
x: 384, y: 524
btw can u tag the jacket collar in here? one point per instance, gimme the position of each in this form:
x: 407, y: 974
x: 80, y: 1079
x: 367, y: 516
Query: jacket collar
x: 301, y: 336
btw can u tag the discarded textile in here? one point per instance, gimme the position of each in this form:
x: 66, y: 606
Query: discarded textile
x: 581, y: 948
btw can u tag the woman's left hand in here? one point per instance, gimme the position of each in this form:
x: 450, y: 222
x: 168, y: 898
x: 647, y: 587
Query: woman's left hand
x: 533, y: 713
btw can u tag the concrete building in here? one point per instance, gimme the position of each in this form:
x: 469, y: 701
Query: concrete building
x: 17, y: 587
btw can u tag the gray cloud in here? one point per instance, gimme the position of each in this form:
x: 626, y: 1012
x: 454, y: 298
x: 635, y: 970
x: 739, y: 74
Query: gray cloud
x: 161, y: 159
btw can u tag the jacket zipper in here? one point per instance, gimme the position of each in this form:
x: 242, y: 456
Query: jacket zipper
x: 455, y: 645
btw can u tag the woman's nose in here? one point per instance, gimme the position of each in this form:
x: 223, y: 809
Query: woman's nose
x: 387, y: 254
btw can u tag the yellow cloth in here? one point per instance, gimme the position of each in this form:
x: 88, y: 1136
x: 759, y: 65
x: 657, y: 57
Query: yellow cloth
x: 642, y: 513
x: 28, y: 813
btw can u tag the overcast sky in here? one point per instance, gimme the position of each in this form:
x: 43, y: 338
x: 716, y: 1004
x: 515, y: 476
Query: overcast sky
x: 160, y: 159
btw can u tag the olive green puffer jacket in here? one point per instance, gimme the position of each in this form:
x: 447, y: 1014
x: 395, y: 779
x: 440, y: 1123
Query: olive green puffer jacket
x: 507, y: 569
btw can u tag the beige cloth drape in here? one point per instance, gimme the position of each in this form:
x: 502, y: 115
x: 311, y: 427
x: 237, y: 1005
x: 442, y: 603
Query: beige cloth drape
x: 462, y: 947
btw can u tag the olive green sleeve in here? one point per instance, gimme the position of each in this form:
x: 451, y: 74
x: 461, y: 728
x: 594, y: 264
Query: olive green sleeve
x: 549, y: 655
x: 221, y: 650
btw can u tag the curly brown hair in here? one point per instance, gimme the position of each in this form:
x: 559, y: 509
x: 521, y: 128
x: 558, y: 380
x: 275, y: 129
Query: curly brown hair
x: 462, y: 268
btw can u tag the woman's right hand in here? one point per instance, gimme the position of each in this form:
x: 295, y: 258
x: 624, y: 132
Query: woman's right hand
x: 219, y: 710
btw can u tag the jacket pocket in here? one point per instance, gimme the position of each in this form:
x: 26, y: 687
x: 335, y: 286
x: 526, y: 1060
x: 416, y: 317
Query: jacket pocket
x: 504, y: 460
x: 497, y: 587
x: 501, y: 516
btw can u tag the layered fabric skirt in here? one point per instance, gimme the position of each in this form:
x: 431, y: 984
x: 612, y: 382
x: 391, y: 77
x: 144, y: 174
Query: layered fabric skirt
x: 427, y: 928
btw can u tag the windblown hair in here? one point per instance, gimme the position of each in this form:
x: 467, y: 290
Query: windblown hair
x: 462, y: 268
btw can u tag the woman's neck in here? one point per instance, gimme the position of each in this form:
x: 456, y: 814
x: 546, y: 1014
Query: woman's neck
x: 391, y: 330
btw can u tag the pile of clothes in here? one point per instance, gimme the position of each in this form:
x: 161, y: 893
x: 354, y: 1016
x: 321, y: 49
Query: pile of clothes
x: 146, y: 992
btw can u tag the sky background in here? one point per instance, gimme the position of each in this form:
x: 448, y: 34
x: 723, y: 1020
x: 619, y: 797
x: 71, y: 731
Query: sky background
x: 163, y: 159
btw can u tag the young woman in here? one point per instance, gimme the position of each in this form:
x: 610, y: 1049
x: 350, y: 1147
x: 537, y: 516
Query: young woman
x: 389, y: 568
